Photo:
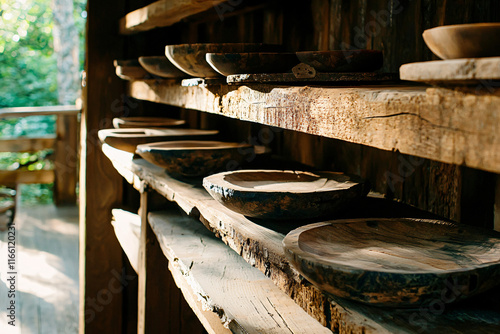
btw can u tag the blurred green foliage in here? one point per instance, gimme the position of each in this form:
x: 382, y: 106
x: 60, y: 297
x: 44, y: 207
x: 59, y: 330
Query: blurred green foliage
x: 28, y: 77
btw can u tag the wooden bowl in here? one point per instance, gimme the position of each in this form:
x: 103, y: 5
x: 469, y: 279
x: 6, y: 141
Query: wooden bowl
x: 396, y: 262
x: 190, y: 58
x: 130, y: 69
x: 343, y: 61
x: 464, y: 40
x: 161, y: 66
x: 194, y: 158
x: 275, y: 194
x: 128, y: 139
x: 254, y: 62
x: 146, y: 122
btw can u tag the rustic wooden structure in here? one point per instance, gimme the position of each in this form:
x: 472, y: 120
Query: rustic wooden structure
x: 65, y: 146
x: 435, y: 149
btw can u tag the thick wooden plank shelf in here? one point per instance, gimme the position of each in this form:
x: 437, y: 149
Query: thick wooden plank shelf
x: 456, y: 126
x: 162, y: 14
x: 260, y: 244
x: 243, y: 297
x: 127, y: 227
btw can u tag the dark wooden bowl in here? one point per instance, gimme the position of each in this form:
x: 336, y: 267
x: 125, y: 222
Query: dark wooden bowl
x: 161, y: 66
x: 190, y: 58
x: 130, y: 69
x: 194, y: 158
x: 396, y: 262
x: 128, y: 139
x: 275, y: 194
x: 464, y: 40
x: 146, y: 122
x: 254, y: 62
x: 343, y: 61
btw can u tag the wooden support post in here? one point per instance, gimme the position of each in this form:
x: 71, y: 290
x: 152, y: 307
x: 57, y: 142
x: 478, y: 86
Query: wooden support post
x: 497, y: 203
x: 101, y: 258
x: 159, y: 300
x: 66, y: 159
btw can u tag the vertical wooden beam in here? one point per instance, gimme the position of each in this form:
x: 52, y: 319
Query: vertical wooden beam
x: 159, y: 299
x: 497, y: 204
x: 101, y: 276
x: 66, y: 159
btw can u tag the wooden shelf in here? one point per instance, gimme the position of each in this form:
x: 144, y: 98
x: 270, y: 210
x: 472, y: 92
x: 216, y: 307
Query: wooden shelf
x: 456, y: 126
x: 127, y: 227
x: 163, y: 13
x: 245, y: 300
x: 260, y: 244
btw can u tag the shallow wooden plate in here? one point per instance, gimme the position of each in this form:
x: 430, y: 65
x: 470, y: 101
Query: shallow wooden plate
x: 252, y: 62
x: 464, y: 40
x: 161, y: 66
x: 195, y: 158
x: 343, y: 60
x: 130, y: 69
x: 190, y: 58
x: 146, y: 122
x: 275, y: 194
x: 396, y: 262
x: 128, y: 139
x: 481, y: 72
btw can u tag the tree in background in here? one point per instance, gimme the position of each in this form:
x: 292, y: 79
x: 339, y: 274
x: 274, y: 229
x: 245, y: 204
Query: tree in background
x: 41, y: 57
x: 39, y: 43
x: 66, y: 48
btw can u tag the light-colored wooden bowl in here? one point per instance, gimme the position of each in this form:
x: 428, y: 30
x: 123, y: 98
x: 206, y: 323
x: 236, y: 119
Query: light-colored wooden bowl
x: 275, y: 194
x: 146, y: 122
x: 161, y: 66
x: 396, y: 262
x: 190, y: 58
x: 464, y: 40
x: 195, y: 158
x: 252, y: 62
x: 128, y: 139
x: 343, y: 60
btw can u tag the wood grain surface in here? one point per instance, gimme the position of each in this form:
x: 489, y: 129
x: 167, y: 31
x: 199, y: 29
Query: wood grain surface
x: 243, y: 297
x: 478, y: 71
x: 284, y: 195
x: 454, y: 126
x: 396, y: 262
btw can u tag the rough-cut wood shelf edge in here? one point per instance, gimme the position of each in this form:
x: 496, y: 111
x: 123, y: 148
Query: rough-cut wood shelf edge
x: 127, y: 227
x: 39, y: 111
x: 456, y: 126
x: 162, y: 14
x: 244, y: 298
x: 262, y: 248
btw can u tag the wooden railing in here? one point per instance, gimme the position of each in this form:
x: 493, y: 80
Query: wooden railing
x: 65, y: 146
